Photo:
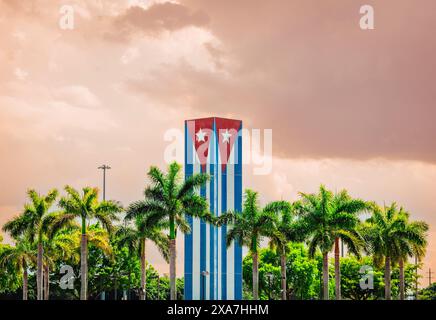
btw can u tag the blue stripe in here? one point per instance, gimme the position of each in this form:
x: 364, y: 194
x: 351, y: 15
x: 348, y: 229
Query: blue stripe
x: 188, y: 236
x: 212, y: 241
x: 238, y: 208
x: 223, y: 237
x: 217, y: 199
x: 202, y: 245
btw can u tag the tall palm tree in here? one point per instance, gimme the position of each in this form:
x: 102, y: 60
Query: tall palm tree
x: 146, y: 227
x: 249, y: 227
x: 19, y: 258
x: 412, y: 245
x: 60, y: 245
x: 347, y: 231
x: 169, y: 199
x: 34, y: 220
x: 285, y: 231
x: 326, y: 218
x: 85, y: 206
x: 391, y: 238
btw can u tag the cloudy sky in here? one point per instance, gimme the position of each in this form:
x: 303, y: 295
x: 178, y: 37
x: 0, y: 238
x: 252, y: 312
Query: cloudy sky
x: 349, y: 108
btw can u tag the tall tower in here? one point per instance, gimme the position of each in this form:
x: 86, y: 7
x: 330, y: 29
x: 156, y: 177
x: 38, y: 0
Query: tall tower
x: 213, y: 271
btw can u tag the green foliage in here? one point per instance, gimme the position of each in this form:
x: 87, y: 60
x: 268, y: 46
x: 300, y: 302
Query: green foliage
x: 389, y: 233
x: 351, y: 277
x: 326, y: 216
x: 114, y: 258
x: 302, y: 274
x: 251, y: 225
x: 428, y: 293
x: 85, y: 205
x: 10, y: 279
x: 168, y: 199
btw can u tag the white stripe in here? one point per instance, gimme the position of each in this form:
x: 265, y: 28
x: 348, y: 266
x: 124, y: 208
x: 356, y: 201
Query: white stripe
x: 219, y: 275
x: 208, y: 238
x: 231, y: 206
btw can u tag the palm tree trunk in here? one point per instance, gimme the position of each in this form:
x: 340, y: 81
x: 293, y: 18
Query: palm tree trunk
x: 173, y: 293
x: 283, y: 269
x: 337, y: 271
x: 325, y: 275
x: 255, y: 276
x: 25, y: 282
x: 388, y: 278
x: 401, y: 266
x: 46, y: 282
x: 39, y: 277
x: 143, y: 271
x: 84, y: 267
x: 130, y: 283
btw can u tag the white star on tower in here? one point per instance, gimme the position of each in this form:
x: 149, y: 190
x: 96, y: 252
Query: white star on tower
x: 200, y: 135
x: 226, y: 136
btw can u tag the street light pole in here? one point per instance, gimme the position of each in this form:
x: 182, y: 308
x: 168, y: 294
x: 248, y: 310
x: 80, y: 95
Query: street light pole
x: 204, y: 275
x: 104, y: 167
x: 269, y: 276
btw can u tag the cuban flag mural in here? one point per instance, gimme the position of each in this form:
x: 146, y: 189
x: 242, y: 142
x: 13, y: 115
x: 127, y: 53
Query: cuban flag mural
x: 213, y: 271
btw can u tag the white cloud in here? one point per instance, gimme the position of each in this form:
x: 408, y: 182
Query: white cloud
x: 21, y: 74
x: 78, y: 96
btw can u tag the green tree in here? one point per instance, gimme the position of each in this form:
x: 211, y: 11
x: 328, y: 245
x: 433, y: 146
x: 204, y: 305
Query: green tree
x: 10, y: 280
x: 284, y: 231
x: 18, y: 258
x: 86, y: 206
x: 302, y: 274
x: 169, y: 199
x: 355, y: 274
x: 248, y: 228
x: 146, y: 227
x: 413, y: 242
x: 428, y: 293
x: 34, y: 221
x: 60, y: 245
x: 391, y: 237
x: 326, y: 218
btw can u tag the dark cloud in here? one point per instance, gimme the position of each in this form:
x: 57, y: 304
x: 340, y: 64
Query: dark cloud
x: 306, y: 70
x: 159, y: 17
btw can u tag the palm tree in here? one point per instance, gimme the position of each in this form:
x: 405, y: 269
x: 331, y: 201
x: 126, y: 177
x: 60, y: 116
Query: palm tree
x: 249, y: 227
x: 86, y: 206
x: 147, y: 227
x: 326, y: 218
x: 61, y: 245
x: 392, y: 237
x: 169, y: 199
x: 19, y: 258
x: 414, y: 244
x: 285, y: 231
x: 34, y: 220
x: 347, y: 231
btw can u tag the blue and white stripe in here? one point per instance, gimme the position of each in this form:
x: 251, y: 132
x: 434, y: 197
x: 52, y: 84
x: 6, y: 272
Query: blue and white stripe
x: 205, y: 246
